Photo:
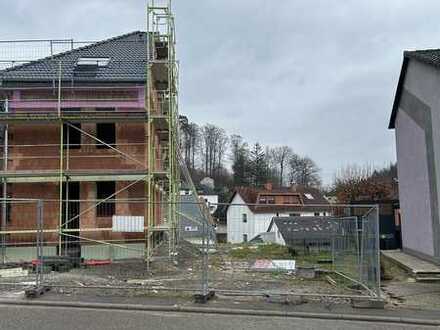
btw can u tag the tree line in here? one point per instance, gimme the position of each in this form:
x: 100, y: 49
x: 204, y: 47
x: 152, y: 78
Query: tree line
x: 231, y: 161
x: 357, y: 183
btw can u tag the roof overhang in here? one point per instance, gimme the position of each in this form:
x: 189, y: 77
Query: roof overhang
x: 398, y: 94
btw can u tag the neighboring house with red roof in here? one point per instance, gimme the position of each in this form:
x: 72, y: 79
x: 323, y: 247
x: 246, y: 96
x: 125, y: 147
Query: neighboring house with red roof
x: 251, y: 210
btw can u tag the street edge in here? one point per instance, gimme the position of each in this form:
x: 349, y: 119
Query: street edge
x: 223, y: 311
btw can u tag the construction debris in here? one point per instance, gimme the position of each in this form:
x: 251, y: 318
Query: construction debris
x: 14, y: 272
x: 330, y: 280
x: 36, y: 291
x: 267, y: 265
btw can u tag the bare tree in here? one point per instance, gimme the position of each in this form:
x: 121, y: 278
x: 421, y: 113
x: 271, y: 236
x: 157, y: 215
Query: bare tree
x: 214, y: 144
x: 354, y: 182
x: 189, y: 141
x: 222, y: 147
x: 281, y: 155
x: 303, y: 171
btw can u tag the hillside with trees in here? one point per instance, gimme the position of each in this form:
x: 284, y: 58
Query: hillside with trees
x: 208, y: 151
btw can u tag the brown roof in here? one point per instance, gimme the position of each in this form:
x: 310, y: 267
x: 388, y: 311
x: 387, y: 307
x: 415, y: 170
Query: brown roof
x: 250, y: 196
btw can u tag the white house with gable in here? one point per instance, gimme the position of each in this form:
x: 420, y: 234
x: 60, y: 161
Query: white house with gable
x: 251, y: 210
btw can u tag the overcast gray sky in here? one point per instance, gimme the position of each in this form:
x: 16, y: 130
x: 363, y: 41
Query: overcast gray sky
x: 319, y: 76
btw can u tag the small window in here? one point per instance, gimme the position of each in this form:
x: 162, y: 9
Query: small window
x: 244, y: 217
x: 309, y: 196
x: 105, y: 189
x: 262, y: 200
x: 92, y: 62
x: 266, y: 199
x: 106, y: 132
x: 245, y: 238
x: 71, y: 135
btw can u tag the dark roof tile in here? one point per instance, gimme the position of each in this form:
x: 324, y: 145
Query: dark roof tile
x: 300, y: 228
x: 128, y: 62
x: 428, y: 56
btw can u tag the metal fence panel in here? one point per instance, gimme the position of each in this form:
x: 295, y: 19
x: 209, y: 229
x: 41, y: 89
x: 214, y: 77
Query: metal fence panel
x: 21, y: 248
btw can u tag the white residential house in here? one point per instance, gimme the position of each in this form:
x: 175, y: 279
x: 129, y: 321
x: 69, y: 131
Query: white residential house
x: 211, y: 201
x: 251, y: 210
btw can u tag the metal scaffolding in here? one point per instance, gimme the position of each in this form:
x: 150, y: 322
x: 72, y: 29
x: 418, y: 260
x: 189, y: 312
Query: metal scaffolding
x: 157, y: 169
x: 162, y: 109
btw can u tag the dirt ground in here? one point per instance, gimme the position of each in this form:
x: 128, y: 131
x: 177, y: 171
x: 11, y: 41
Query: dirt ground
x: 401, y: 289
x: 229, y: 274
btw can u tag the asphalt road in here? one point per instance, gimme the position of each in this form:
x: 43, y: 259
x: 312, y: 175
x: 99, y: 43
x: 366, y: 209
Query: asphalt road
x: 48, y: 318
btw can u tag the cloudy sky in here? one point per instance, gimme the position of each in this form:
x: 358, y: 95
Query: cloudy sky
x: 319, y: 76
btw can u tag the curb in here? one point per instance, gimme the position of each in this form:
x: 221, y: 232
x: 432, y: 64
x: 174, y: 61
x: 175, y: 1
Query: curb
x: 222, y: 311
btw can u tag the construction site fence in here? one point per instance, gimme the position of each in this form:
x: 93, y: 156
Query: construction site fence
x: 21, y: 245
x: 106, y: 244
x: 241, y: 249
x: 270, y: 247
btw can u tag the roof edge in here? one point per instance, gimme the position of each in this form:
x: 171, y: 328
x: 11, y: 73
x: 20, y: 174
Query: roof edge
x: 392, y: 122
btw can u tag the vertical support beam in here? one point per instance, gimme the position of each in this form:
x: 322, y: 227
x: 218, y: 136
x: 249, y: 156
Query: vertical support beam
x: 205, y: 247
x: 148, y: 156
x: 61, y: 163
x: 60, y: 183
x: 5, y: 185
x: 377, y: 252
x: 361, y: 233
x: 160, y: 25
x: 66, y: 193
x: 40, y: 244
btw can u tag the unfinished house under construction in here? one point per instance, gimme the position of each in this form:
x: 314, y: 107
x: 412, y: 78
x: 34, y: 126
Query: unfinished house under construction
x: 93, y: 132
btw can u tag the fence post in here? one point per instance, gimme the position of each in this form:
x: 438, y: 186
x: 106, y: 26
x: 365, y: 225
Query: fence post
x: 360, y: 230
x: 39, y: 266
x: 377, y: 238
x: 5, y: 186
x: 3, y: 226
x: 205, y: 244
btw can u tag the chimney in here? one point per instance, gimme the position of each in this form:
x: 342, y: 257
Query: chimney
x: 268, y: 186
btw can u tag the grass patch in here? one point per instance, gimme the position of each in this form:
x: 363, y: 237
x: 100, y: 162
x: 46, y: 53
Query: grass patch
x: 313, y: 259
x: 264, y: 251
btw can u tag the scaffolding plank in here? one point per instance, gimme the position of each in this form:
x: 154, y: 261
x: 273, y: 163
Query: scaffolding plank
x: 56, y: 230
x: 73, y: 116
x: 30, y: 177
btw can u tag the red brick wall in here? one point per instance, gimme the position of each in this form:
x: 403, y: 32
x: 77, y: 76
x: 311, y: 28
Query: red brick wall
x: 29, y: 151
x: 24, y: 215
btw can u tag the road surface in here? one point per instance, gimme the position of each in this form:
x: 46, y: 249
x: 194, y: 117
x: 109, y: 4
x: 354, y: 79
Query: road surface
x: 48, y: 318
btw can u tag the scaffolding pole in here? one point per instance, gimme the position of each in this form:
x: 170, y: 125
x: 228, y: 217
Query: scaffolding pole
x: 161, y: 104
x: 5, y: 185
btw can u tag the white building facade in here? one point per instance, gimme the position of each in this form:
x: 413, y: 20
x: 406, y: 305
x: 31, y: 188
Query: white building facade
x: 244, y: 224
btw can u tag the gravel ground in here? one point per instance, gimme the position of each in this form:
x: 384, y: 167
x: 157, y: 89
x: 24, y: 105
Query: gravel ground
x: 165, y: 276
